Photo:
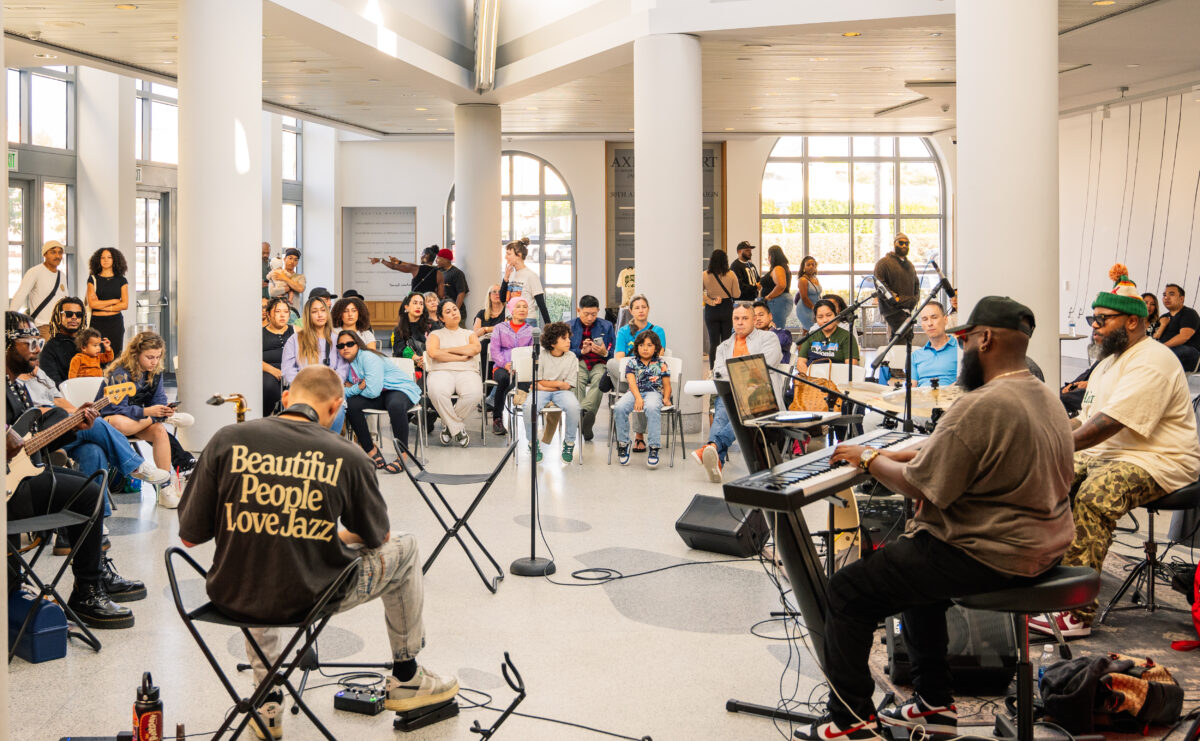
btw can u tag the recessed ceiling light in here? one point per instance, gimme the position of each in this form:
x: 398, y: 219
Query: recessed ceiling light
x: 1133, y: 66
x: 373, y: 79
x: 756, y: 108
x: 125, y: 6
x: 823, y: 100
x: 443, y: 129
x: 265, y: 82
x: 175, y: 37
x: 818, y: 59
x: 288, y: 97
x: 531, y: 108
x: 936, y: 34
x: 793, y: 79
x: 729, y: 128
x: 431, y: 119
x: 167, y: 61
x: 771, y: 94
x: 877, y: 69
x: 629, y: 129
x: 44, y: 55
x: 1104, y: 2
x: 852, y: 34
x: 422, y: 108
x: 927, y: 79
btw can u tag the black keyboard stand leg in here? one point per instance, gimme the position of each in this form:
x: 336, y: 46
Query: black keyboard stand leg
x: 765, y: 711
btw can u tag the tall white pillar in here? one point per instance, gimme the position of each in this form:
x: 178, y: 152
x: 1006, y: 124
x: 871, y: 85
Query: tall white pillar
x: 272, y: 181
x: 220, y: 208
x: 322, y: 240
x: 477, y: 196
x: 668, y: 199
x: 3, y: 510
x: 1008, y: 162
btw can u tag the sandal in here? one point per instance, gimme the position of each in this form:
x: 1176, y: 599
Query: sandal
x: 639, y: 446
x: 393, y: 467
x: 378, y: 459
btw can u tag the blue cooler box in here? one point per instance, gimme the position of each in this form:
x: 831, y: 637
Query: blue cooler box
x: 46, y: 637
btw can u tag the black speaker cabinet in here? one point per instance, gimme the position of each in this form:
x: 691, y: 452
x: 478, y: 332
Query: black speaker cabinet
x: 982, y: 652
x: 711, y: 524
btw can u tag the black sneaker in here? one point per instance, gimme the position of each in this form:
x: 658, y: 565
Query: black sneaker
x: 825, y: 729
x: 585, y: 424
x: 94, y: 608
x: 498, y: 427
x: 62, y: 544
x: 916, y: 713
x: 118, y: 587
x: 271, y: 710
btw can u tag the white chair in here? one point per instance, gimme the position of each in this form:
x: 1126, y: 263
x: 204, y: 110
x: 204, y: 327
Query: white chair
x: 616, y: 374
x: 522, y: 361
x: 672, y: 411
x: 482, y: 404
x: 408, y: 366
x: 80, y: 390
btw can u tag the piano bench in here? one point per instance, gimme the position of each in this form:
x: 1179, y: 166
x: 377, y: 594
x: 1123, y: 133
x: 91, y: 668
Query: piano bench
x: 1060, y: 588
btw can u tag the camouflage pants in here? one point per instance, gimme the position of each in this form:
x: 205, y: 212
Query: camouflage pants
x: 1102, y: 493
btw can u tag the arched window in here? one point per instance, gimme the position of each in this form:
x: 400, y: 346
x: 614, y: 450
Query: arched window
x: 536, y: 203
x: 842, y: 199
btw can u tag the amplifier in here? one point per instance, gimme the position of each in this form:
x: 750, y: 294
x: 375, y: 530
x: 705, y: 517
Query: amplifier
x: 712, y: 524
x: 982, y: 651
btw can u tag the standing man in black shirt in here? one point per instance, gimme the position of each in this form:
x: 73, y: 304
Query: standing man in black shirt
x: 896, y: 272
x: 97, y: 583
x: 60, y: 348
x: 453, y: 278
x: 271, y: 492
x: 745, y: 270
x: 1181, y: 329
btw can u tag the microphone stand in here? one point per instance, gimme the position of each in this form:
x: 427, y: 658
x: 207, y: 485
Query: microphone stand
x: 533, y: 565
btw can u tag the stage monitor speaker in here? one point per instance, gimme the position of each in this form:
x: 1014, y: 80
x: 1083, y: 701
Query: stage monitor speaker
x: 712, y: 524
x: 982, y: 651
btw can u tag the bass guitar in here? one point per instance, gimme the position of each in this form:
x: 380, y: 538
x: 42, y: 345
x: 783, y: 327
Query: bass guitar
x: 22, y: 444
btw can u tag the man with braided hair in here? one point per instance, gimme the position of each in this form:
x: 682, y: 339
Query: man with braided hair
x: 65, y: 322
x: 1138, y: 440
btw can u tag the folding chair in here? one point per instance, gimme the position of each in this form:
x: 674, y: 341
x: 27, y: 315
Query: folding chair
x: 309, y: 628
x: 47, y: 523
x: 452, y: 522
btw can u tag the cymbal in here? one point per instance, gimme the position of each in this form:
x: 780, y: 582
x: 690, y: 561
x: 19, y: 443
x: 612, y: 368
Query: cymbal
x: 924, y: 399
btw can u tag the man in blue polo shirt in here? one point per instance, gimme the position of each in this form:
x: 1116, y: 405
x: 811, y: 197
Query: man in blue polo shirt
x: 939, y: 357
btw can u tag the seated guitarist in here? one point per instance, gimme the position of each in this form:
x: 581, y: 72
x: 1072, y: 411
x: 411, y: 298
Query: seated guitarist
x: 991, y: 485
x: 97, y: 584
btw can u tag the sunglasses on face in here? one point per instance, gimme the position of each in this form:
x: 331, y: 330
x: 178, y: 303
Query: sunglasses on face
x: 1100, y: 319
x: 344, y: 345
x: 903, y: 242
x: 34, y: 343
x: 73, y: 314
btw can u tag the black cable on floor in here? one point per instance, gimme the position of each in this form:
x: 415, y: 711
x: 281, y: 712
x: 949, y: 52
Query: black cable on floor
x: 486, y: 705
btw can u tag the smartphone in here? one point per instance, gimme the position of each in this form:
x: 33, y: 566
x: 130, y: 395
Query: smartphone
x: 174, y: 405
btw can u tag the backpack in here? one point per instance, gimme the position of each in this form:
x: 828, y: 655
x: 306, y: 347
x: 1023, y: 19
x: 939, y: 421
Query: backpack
x: 1110, y: 692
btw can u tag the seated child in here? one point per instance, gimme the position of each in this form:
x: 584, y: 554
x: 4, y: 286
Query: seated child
x: 558, y: 372
x: 95, y: 352
x: 649, y: 384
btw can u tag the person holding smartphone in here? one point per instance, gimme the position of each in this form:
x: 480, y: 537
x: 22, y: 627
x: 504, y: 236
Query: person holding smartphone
x: 592, y: 341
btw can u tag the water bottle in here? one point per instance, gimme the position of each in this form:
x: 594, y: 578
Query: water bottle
x: 1045, y: 661
x: 1071, y: 323
x: 147, y: 712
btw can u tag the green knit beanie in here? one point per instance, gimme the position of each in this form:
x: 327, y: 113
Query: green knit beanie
x: 1124, y: 296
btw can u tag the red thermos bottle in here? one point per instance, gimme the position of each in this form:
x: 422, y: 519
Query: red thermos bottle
x: 147, y: 712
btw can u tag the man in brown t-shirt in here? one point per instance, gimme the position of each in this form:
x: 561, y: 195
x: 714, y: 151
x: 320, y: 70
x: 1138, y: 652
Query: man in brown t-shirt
x: 991, y: 488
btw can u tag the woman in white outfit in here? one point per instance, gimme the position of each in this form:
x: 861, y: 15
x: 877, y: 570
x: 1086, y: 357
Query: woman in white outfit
x: 453, y: 369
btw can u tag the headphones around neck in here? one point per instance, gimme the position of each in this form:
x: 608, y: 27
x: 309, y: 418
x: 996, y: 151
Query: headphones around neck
x: 304, y: 410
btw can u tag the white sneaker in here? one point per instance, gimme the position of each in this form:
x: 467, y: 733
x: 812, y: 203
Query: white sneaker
x: 1068, y: 622
x: 151, y: 474
x: 169, y: 496
x: 423, y: 690
x: 271, y: 711
x: 181, y: 419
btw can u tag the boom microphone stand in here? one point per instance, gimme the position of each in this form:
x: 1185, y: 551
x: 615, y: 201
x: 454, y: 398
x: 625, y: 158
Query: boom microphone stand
x: 533, y: 565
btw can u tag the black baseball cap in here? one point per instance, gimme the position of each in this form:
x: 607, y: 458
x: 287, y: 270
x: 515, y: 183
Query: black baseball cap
x: 998, y: 311
x: 320, y: 292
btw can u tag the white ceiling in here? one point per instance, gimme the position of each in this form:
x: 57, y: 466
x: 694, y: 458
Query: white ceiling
x: 783, y: 79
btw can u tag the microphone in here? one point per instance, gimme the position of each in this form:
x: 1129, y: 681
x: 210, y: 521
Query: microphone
x: 945, y: 282
x: 887, y: 292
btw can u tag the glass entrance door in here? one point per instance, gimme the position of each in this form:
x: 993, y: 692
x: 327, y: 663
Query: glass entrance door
x: 150, y: 277
x: 18, y: 231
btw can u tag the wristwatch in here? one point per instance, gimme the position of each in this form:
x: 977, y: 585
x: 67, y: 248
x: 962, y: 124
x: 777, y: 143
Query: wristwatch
x: 864, y: 460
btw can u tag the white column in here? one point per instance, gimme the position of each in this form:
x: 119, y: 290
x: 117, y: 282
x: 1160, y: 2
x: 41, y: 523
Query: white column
x: 1008, y: 162
x: 319, y: 219
x: 220, y: 212
x: 477, y: 196
x: 668, y: 199
x: 3, y: 510
x: 106, y: 184
x: 272, y: 181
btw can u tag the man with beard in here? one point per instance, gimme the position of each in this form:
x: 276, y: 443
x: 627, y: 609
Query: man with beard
x: 991, y: 485
x: 60, y: 348
x: 1138, y: 440
x: 896, y: 272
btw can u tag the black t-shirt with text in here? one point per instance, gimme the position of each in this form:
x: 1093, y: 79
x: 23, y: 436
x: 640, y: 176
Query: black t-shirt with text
x: 1187, y: 318
x: 271, y: 492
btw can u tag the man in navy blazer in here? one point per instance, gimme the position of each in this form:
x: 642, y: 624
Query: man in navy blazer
x: 592, y: 340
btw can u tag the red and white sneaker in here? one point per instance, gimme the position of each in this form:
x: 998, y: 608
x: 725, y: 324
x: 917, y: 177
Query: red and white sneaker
x: 916, y: 713
x: 707, y: 457
x: 826, y: 729
x: 1069, y: 624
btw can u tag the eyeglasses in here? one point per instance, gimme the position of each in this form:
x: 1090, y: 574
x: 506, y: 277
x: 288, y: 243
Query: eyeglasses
x: 1100, y: 319
x: 73, y: 314
x: 903, y: 242
x: 344, y: 345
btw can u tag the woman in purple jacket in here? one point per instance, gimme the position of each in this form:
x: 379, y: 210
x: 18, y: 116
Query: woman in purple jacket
x: 513, y: 333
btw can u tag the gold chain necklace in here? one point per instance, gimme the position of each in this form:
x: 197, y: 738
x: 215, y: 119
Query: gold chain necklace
x: 1010, y: 373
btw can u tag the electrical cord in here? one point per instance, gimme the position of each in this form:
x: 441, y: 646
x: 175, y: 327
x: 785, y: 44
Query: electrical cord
x: 1137, y: 158
x: 1157, y: 186
x: 1087, y: 199
x: 486, y: 705
x: 1170, y: 188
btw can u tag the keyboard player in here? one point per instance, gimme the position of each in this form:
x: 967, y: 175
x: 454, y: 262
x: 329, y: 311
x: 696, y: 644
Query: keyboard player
x: 991, y: 488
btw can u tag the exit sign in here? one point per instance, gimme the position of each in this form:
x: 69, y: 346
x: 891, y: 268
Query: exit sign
x: 12, y: 160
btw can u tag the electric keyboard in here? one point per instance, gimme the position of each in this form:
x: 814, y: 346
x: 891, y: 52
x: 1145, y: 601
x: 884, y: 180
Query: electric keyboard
x: 795, y: 483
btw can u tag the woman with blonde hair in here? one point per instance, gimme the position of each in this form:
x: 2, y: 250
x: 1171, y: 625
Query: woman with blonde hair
x: 142, y: 415
x: 311, y: 345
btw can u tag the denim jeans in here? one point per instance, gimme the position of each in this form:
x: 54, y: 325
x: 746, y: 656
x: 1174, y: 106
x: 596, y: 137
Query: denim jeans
x: 652, y: 406
x: 391, y: 572
x: 564, y: 400
x: 102, y: 446
x: 781, y: 307
x: 721, y: 431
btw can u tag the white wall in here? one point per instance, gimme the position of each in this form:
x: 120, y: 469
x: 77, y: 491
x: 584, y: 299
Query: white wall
x: 745, y: 160
x: 1127, y: 193
x: 272, y: 179
x: 320, y: 216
